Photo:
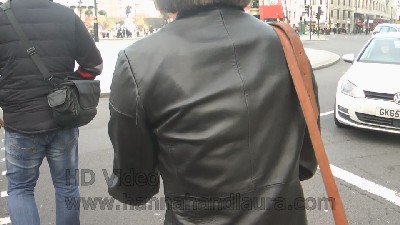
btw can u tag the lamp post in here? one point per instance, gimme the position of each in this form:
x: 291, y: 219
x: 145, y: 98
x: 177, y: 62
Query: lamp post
x: 136, y: 4
x: 286, y: 13
x: 310, y: 16
x: 96, y: 24
x: 80, y: 8
x: 355, y: 18
x: 391, y: 14
x: 387, y: 5
x: 354, y: 23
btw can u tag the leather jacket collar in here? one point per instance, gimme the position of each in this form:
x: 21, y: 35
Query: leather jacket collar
x: 190, y: 12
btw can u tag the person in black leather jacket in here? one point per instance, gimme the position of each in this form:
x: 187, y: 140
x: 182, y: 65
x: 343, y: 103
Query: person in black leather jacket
x: 208, y: 103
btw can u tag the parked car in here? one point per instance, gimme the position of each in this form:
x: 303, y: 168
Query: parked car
x: 386, y: 27
x: 368, y: 94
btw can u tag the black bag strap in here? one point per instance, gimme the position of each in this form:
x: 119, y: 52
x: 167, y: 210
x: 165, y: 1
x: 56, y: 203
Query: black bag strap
x: 6, y: 7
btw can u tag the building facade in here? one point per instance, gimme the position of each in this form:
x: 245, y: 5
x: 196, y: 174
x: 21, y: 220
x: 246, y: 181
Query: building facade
x: 293, y: 12
x: 359, y: 15
x: 349, y: 16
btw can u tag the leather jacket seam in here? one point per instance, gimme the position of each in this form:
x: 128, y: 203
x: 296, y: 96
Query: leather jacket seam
x: 138, y: 98
x: 119, y: 111
x: 171, y: 148
x: 245, y: 93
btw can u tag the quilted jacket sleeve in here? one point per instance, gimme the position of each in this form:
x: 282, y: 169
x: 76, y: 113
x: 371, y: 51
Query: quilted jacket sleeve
x: 87, y: 55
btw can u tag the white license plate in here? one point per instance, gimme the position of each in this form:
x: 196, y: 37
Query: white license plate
x: 388, y: 113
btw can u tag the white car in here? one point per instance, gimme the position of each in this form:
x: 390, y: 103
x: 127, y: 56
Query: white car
x: 368, y: 94
x: 386, y: 27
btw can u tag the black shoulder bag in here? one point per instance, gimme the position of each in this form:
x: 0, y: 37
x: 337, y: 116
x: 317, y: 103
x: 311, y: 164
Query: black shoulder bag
x: 73, y: 102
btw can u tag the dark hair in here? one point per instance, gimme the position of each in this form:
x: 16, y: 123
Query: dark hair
x: 173, y: 6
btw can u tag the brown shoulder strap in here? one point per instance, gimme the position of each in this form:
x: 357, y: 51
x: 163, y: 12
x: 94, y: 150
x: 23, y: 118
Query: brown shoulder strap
x: 301, y: 75
x: 285, y: 31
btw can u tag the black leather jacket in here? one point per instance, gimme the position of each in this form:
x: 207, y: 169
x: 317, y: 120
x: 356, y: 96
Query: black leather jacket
x: 208, y: 101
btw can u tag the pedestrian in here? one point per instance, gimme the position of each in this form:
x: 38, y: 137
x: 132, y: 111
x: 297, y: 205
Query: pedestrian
x: 208, y: 101
x: 128, y: 33
x: 119, y: 33
x: 60, y: 38
x: 124, y: 32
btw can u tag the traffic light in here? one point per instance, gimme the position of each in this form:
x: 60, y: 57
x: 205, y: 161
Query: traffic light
x: 319, y: 13
x: 254, y: 4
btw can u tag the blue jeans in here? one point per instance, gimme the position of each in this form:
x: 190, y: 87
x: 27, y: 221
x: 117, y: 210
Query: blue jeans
x: 24, y: 155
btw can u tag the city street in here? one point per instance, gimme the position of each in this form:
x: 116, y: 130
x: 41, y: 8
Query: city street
x: 370, y: 155
x: 366, y: 164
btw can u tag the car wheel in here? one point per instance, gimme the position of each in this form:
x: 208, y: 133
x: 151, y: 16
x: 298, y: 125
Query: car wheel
x: 337, y: 123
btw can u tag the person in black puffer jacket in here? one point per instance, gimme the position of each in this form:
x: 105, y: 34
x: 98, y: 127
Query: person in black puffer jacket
x: 60, y: 39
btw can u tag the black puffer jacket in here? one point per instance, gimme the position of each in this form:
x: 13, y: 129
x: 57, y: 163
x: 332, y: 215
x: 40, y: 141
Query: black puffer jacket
x: 60, y: 39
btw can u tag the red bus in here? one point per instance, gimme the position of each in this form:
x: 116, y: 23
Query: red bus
x: 270, y: 13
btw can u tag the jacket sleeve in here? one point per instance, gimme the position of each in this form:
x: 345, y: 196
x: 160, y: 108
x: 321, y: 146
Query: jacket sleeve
x: 87, y: 55
x: 135, y: 178
x: 308, y: 162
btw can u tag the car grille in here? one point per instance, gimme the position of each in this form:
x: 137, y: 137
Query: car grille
x: 345, y: 116
x: 381, y: 96
x: 366, y: 118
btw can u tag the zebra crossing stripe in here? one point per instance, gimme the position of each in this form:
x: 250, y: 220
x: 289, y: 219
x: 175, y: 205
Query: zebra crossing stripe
x: 5, y: 220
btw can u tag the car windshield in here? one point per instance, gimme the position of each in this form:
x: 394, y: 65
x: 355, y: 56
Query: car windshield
x: 382, y: 50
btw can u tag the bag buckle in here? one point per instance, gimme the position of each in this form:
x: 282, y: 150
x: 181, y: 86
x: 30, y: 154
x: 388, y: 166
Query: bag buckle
x: 31, y: 51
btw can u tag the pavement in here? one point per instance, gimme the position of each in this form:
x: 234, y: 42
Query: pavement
x: 110, y: 48
x: 320, y: 59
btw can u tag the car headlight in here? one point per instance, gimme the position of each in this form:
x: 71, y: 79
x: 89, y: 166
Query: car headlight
x: 352, y: 90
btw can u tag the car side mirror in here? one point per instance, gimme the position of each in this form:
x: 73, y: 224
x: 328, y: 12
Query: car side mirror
x: 375, y: 32
x: 348, y: 58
